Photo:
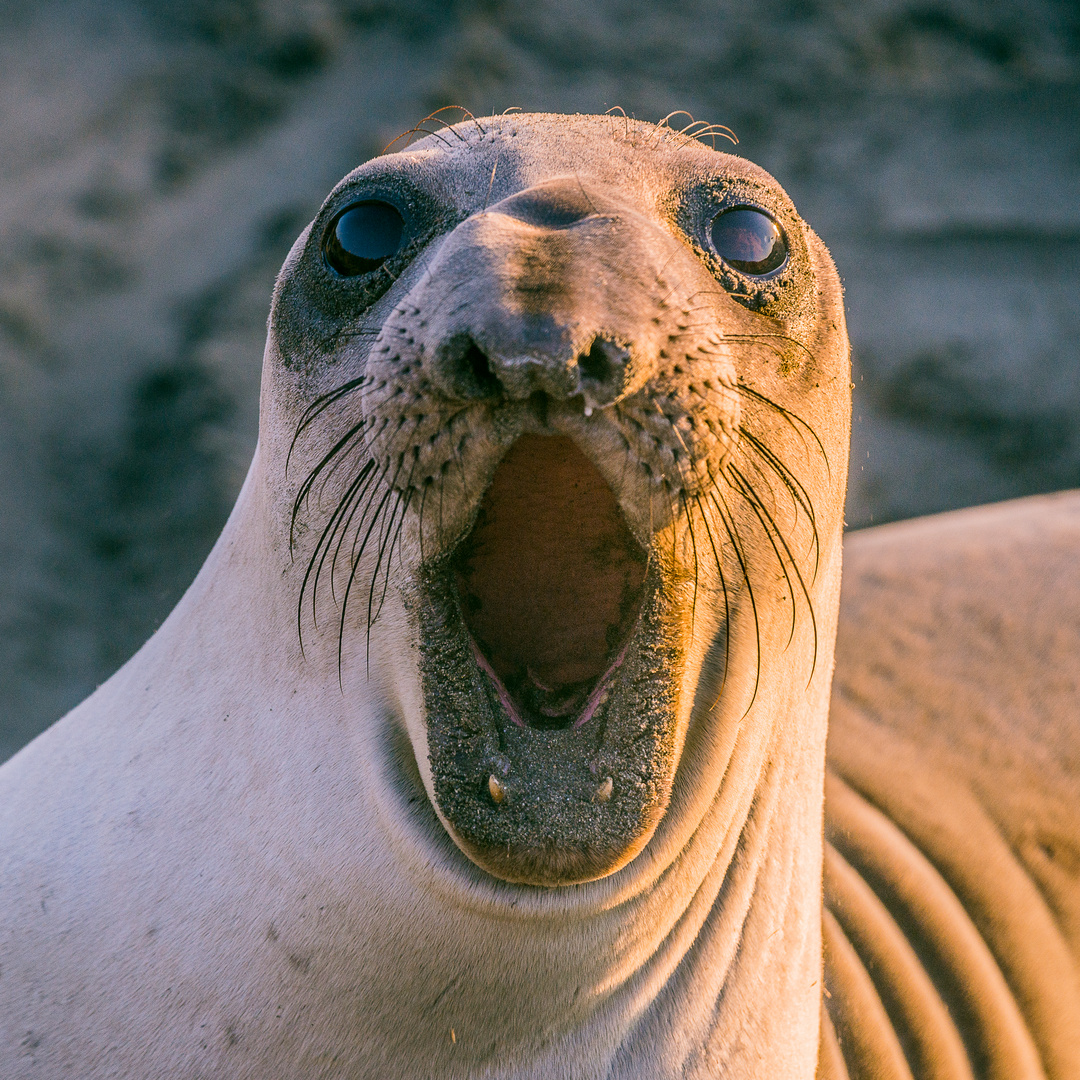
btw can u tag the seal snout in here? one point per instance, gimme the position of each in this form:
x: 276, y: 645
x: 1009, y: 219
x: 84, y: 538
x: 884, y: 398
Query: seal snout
x: 566, y: 308
x: 557, y: 203
x: 598, y: 374
x: 535, y: 305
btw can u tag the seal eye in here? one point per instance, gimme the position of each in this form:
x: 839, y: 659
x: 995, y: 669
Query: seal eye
x: 749, y: 240
x: 362, y: 237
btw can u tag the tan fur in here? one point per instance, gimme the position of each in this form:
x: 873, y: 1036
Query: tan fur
x: 233, y: 860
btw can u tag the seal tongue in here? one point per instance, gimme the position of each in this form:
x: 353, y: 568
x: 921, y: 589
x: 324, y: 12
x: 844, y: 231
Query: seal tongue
x: 550, y: 578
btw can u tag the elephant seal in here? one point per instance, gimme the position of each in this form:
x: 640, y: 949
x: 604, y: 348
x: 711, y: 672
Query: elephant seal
x: 490, y: 739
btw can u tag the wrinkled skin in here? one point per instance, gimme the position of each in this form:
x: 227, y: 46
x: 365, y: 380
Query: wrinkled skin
x: 446, y: 838
x: 952, y: 804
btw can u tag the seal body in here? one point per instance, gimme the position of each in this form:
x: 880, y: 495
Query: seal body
x: 490, y: 740
x: 953, y: 800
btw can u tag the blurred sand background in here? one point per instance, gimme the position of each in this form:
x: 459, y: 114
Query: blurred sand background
x: 157, y: 160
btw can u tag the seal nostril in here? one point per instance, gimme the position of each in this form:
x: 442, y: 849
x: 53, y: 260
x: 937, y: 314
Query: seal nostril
x: 603, y: 372
x: 476, y: 362
x: 465, y: 371
x: 595, y: 364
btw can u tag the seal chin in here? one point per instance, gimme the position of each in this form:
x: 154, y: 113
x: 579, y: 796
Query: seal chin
x: 550, y: 663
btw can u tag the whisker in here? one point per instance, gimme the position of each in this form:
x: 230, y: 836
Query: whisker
x: 368, y: 493
x: 709, y: 130
x: 384, y: 535
x: 794, y: 486
x: 765, y: 478
x: 727, y: 609
x: 733, y: 535
x: 390, y: 554
x: 781, y: 337
x: 318, y: 406
x: 461, y: 109
x: 423, y: 502
x: 309, y: 482
x: 746, y: 490
x: 417, y: 130
x: 352, y: 578
x: 344, y: 457
x: 794, y: 565
x: 326, y: 538
x: 792, y: 418
x: 693, y: 545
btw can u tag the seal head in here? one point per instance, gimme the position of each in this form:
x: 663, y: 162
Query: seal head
x: 545, y: 404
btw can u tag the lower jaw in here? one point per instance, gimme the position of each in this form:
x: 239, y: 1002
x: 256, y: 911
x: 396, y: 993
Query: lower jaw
x: 558, y: 806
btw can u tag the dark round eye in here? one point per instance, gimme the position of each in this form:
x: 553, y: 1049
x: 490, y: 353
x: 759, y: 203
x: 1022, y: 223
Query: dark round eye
x: 748, y: 240
x: 363, y: 236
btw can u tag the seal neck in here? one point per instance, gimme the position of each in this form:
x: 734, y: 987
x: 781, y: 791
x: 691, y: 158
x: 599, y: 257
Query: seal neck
x: 703, y: 952
x: 702, y: 956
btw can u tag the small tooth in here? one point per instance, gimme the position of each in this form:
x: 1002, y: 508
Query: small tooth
x: 497, y: 789
x: 603, y: 792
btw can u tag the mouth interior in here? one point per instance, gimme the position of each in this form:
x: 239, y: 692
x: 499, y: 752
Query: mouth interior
x: 550, y: 581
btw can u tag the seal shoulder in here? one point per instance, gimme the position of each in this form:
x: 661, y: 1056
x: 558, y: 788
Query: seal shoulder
x: 952, y: 872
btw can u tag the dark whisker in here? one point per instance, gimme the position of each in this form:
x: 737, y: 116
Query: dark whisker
x: 794, y: 486
x: 747, y: 491
x: 693, y: 545
x: 309, y: 482
x: 733, y: 535
x: 390, y: 554
x: 799, y: 495
x: 317, y: 407
x: 367, y: 499
x: 346, y: 455
x: 760, y: 338
x: 792, y: 418
x: 442, y: 491
x: 323, y: 539
x: 674, y: 514
x: 385, y: 534
x: 752, y: 497
x: 368, y: 492
x: 324, y: 346
x: 674, y: 511
x: 423, y: 501
x: 727, y: 610
x: 352, y: 578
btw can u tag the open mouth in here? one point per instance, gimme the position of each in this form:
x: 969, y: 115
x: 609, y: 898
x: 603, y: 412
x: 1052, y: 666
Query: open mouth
x: 551, y: 657
x: 550, y: 582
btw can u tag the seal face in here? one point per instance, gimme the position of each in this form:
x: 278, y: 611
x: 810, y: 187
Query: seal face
x: 544, y: 429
